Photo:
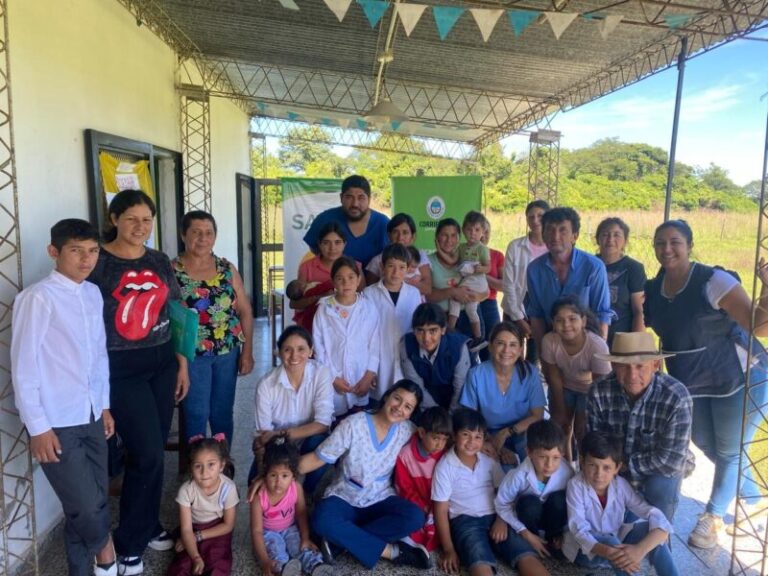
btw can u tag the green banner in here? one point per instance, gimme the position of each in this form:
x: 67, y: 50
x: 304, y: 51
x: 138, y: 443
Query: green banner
x: 429, y: 199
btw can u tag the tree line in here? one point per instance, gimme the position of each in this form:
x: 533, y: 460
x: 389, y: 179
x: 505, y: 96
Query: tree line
x: 607, y: 174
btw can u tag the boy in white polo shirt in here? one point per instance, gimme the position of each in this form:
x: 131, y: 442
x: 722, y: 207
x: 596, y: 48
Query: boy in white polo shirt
x: 463, y: 490
x: 61, y: 385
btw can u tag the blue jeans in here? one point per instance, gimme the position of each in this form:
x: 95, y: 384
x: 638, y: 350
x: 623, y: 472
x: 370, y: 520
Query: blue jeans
x: 365, y: 532
x: 286, y: 544
x: 471, y: 537
x: 211, y: 395
x: 660, y: 557
x: 717, y: 432
x: 312, y: 479
x: 489, y: 312
x: 662, y: 492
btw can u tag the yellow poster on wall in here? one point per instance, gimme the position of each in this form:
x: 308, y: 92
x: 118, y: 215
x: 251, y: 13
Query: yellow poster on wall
x: 118, y: 175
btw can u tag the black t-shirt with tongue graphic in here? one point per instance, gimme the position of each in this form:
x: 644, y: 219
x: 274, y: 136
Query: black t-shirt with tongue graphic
x: 136, y: 293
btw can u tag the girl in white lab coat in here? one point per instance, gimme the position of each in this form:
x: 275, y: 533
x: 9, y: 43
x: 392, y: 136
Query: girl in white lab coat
x: 395, y: 301
x: 346, y: 333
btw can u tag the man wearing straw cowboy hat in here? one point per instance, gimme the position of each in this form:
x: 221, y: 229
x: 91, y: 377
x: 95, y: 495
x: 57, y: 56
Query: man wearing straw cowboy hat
x: 650, y: 413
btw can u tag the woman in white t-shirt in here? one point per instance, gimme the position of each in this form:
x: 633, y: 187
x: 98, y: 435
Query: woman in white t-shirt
x: 702, y: 315
x: 569, y: 365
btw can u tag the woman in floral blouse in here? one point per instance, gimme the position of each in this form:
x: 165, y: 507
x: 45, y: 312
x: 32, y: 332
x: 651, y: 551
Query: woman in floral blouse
x: 212, y: 286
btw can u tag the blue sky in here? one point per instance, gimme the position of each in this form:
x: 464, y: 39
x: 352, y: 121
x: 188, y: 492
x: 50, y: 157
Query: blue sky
x: 722, y: 118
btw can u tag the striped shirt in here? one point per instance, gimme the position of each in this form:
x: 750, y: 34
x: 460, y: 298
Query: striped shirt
x: 655, y: 430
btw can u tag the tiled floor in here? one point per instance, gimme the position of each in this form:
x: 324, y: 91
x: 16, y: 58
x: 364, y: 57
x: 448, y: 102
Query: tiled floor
x: 691, y: 562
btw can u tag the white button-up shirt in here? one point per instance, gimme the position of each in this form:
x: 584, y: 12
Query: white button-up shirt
x: 59, y: 363
x: 587, y: 517
x: 522, y: 481
x: 279, y: 406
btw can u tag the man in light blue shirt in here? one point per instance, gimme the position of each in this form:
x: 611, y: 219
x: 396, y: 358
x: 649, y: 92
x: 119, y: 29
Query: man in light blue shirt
x: 565, y: 270
x: 365, y: 229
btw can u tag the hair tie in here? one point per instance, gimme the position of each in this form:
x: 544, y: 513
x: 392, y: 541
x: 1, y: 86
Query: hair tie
x: 280, y: 440
x: 219, y: 437
x: 196, y: 438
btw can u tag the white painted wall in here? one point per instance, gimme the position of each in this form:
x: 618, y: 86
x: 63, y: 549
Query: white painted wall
x: 78, y: 64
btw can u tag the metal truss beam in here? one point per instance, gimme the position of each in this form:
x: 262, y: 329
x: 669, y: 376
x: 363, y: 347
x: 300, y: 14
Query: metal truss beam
x: 544, y: 166
x: 18, y: 549
x: 196, y: 148
x: 383, y: 141
x: 705, y: 32
x: 749, y: 552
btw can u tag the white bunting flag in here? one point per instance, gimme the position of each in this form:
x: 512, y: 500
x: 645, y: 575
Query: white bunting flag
x: 608, y: 24
x: 486, y: 20
x: 409, y: 15
x: 290, y: 4
x: 339, y: 7
x: 559, y: 21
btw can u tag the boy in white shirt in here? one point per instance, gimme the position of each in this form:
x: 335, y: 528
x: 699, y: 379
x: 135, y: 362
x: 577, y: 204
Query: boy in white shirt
x: 61, y: 385
x: 597, y: 500
x: 531, y: 499
x: 463, y: 489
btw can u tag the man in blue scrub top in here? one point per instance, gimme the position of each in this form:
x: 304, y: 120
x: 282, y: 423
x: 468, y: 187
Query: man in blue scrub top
x: 565, y: 270
x: 365, y: 229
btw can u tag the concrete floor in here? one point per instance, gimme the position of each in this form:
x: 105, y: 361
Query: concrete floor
x: 690, y: 561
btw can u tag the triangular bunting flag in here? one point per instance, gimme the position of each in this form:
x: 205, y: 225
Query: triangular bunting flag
x: 345, y: 122
x: 592, y: 16
x: 292, y: 115
x: 374, y: 10
x: 338, y: 7
x: 361, y: 124
x: 676, y: 20
x: 608, y: 24
x: 290, y: 4
x: 395, y: 124
x: 261, y: 106
x: 559, y: 21
x: 445, y: 18
x: 410, y: 15
x: 486, y: 20
x: 521, y: 19
x: 327, y: 122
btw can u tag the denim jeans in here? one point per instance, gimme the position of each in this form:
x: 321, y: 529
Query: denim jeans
x: 489, y: 312
x: 211, y: 395
x: 471, y: 537
x: 286, y: 544
x: 662, y: 492
x: 660, y: 557
x: 717, y: 432
x: 551, y: 516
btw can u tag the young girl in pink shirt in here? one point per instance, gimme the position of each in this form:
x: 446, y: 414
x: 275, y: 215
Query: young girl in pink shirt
x: 279, y: 526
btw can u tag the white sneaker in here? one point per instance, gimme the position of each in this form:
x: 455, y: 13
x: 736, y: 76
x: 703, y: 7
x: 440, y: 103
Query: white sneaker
x: 704, y: 534
x: 162, y: 542
x: 130, y: 565
x: 111, y: 571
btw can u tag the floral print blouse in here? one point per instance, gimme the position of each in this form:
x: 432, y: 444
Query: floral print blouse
x: 219, y: 331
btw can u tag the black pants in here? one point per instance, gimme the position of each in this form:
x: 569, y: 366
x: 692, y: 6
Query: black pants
x: 142, y: 384
x: 80, y: 481
x: 550, y: 516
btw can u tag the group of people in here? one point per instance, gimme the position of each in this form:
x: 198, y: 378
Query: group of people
x: 401, y: 382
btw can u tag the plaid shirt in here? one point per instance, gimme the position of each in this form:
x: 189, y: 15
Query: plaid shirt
x: 655, y: 430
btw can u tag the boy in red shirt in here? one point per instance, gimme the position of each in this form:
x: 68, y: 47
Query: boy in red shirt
x: 415, y: 466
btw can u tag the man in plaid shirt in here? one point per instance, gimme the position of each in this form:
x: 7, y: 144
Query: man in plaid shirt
x: 650, y: 413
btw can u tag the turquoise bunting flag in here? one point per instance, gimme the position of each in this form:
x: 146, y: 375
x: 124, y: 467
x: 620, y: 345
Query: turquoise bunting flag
x: 374, y: 10
x: 445, y: 18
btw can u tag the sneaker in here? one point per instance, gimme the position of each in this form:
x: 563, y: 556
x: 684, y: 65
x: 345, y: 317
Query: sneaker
x: 752, y: 523
x: 325, y: 550
x: 322, y: 569
x: 130, y: 565
x: 162, y: 542
x: 704, y: 534
x: 111, y: 570
x: 416, y: 556
x: 291, y: 568
x: 477, y: 344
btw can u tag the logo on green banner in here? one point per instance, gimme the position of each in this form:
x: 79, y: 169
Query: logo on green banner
x: 435, y: 207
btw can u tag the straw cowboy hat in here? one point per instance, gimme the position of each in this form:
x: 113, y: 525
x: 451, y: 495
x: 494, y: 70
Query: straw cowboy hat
x: 633, y: 348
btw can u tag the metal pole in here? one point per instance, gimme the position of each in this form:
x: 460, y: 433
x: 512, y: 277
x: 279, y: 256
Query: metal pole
x: 675, y: 122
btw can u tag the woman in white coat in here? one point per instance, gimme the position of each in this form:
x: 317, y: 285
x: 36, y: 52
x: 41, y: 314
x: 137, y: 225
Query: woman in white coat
x: 395, y: 301
x: 346, y: 333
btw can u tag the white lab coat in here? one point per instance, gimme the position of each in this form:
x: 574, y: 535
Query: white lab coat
x: 347, y: 347
x: 394, y: 322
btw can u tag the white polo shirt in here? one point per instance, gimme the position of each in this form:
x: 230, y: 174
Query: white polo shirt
x: 468, y: 491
